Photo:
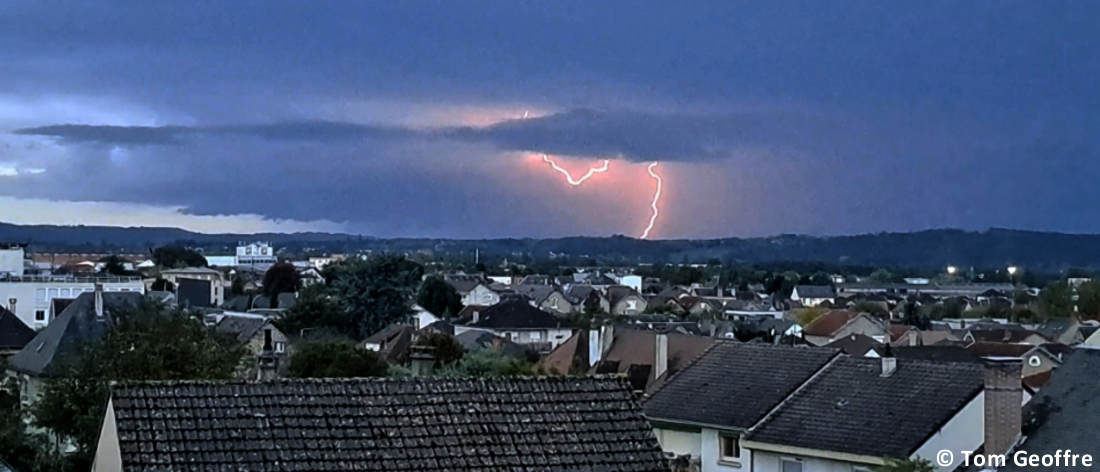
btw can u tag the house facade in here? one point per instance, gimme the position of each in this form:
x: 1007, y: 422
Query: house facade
x: 516, y: 320
x: 813, y: 295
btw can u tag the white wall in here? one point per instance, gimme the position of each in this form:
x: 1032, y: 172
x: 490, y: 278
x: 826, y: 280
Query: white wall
x: 765, y: 461
x: 29, y: 299
x: 679, y: 442
x: 11, y: 261
x: 108, y: 455
x: 703, y: 445
x: 965, y: 432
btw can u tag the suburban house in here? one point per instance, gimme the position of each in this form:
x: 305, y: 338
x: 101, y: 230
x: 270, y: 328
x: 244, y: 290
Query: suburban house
x: 813, y: 295
x: 802, y: 409
x: 418, y: 424
x: 268, y: 346
x: 85, y: 319
x: 516, y: 320
x: 625, y: 301
x: 214, y: 278
x: 1035, y: 359
x: 1063, y: 417
x: 836, y: 324
x: 583, y: 296
x: 1006, y: 335
x: 14, y: 334
x: 705, y: 410
x: 644, y: 357
x: 546, y: 297
x: 473, y: 289
x: 857, y: 412
x: 392, y: 343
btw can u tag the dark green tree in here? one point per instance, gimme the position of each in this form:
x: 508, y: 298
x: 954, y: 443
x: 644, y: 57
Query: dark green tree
x: 145, y: 343
x: 316, y: 309
x: 174, y: 257
x: 913, y: 317
x: 377, y: 291
x: 1088, y: 300
x: 114, y: 266
x: 881, y: 276
x: 492, y: 363
x: 282, y: 277
x: 446, y: 349
x: 439, y: 297
x: 1056, y: 300
x: 237, y: 288
x: 335, y: 358
x: 906, y: 465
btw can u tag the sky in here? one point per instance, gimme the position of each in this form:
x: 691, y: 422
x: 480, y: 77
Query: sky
x: 431, y: 118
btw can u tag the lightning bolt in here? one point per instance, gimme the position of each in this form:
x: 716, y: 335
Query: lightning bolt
x: 604, y: 168
x: 569, y: 178
x: 656, y: 198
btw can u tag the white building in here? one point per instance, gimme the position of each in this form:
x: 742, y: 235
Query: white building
x: 258, y: 253
x: 11, y: 260
x: 29, y: 297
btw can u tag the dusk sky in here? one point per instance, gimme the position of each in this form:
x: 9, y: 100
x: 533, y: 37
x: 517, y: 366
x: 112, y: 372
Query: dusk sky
x: 412, y: 118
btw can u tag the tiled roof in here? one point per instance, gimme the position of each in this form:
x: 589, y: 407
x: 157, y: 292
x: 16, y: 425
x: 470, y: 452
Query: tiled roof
x: 851, y: 408
x: 1006, y: 335
x: 517, y: 313
x: 14, y: 334
x: 815, y: 291
x: 1064, y: 414
x: 243, y: 328
x: 993, y: 349
x: 829, y: 322
x: 754, y: 377
x: 552, y: 423
x: 855, y: 344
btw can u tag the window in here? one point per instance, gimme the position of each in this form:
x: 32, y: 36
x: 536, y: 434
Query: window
x: 40, y: 294
x: 1035, y: 361
x: 39, y: 315
x: 66, y: 293
x: 280, y: 348
x: 790, y: 465
x: 53, y: 293
x: 730, y: 448
x: 632, y: 304
x: 535, y: 336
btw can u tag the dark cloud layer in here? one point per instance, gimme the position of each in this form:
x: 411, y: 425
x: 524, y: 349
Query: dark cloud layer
x: 819, y: 117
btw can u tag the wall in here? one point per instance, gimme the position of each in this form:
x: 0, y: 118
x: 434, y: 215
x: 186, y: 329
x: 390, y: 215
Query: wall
x: 28, y: 300
x: 556, y: 302
x: 679, y: 442
x: 11, y: 261
x: 965, y: 432
x: 481, y: 295
x: 108, y: 455
x: 765, y: 461
x: 703, y: 445
x: 623, y: 307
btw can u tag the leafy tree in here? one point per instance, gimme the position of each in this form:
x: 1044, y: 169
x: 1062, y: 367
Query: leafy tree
x: 175, y: 257
x: 874, y: 309
x: 145, y: 343
x: 953, y: 308
x: 316, y: 309
x: 335, y: 358
x: 881, y: 276
x: 1055, y: 301
x: 913, y: 317
x: 282, y: 277
x: 446, y: 349
x: 114, y: 266
x: 439, y: 297
x: 1088, y: 300
x: 492, y: 363
x: 377, y: 291
x: 906, y: 465
x: 806, y: 316
x: 237, y: 288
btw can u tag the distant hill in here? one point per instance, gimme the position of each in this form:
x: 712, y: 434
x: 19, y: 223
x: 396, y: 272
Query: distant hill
x: 991, y: 248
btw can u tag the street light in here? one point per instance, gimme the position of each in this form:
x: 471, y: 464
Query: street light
x: 1012, y: 270
x: 952, y: 269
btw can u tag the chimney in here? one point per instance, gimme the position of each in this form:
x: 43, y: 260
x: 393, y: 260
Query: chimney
x: 660, y: 364
x: 99, y: 300
x: 1004, y: 397
x: 422, y: 361
x: 595, y: 347
x: 889, y: 362
x: 11, y: 304
x: 607, y: 338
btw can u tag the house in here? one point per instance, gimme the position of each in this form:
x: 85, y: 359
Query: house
x: 643, y: 356
x: 904, y: 335
x: 813, y: 295
x: 1063, y: 416
x: 474, y: 340
x: 705, y: 409
x: 584, y: 296
x: 1063, y: 331
x: 856, y: 345
x: 86, y: 319
x: 856, y: 412
x: 473, y: 289
x: 215, y: 279
x: 1035, y: 359
x: 392, y: 343
x: 397, y: 425
x: 1006, y: 335
x: 516, y: 320
x: 283, y: 301
x: 547, y: 297
x: 268, y: 345
x: 837, y: 324
x: 30, y: 296
x: 14, y: 334
x: 310, y: 276
x: 626, y: 301
x: 194, y: 293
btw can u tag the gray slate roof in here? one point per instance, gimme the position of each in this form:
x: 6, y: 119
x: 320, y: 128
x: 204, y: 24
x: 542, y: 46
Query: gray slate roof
x: 243, y: 328
x: 64, y: 335
x: 560, y: 424
x: 815, y: 291
x: 517, y: 313
x: 850, y: 407
x: 1065, y: 413
x: 754, y: 377
x: 14, y: 334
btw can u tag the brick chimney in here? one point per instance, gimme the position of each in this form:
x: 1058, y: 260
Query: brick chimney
x: 660, y: 364
x: 1004, y: 397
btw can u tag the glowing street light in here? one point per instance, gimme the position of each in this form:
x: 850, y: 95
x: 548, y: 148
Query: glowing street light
x: 952, y: 269
x: 1012, y: 270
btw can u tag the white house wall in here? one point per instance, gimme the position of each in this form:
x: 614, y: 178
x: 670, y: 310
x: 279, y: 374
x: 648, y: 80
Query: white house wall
x: 965, y: 432
x: 766, y: 461
x: 703, y: 445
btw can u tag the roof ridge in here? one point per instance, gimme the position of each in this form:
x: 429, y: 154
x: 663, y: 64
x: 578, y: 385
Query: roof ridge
x: 333, y: 380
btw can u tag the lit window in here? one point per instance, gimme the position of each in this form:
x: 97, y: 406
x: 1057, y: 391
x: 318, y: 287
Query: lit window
x: 40, y: 295
x: 280, y: 348
x: 39, y: 315
x: 731, y: 448
x: 790, y: 465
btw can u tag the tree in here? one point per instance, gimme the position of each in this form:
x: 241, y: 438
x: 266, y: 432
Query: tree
x: 114, y: 266
x: 492, y: 363
x: 174, y: 257
x: 806, y: 316
x: 439, y: 297
x: 1088, y: 300
x: 145, y: 343
x: 881, y: 276
x: 874, y: 309
x: 377, y: 291
x: 1055, y: 301
x: 335, y: 358
x: 316, y: 309
x: 237, y: 288
x: 446, y: 349
x: 906, y: 465
x: 913, y: 317
x: 282, y: 277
